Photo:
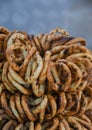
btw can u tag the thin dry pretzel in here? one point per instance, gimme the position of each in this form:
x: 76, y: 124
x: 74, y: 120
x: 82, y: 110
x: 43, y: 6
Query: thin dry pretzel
x: 26, y: 109
x: 59, y: 40
x: 38, y: 70
x: 37, y: 44
x: 4, y: 30
x: 34, y: 66
x: 29, y: 69
x: 74, y: 123
x: 76, y: 104
x: 18, y: 86
x: 14, y: 110
x: 65, y: 72
x: 61, y: 126
x: 66, y: 124
x: 81, y: 55
x: 35, y: 102
x: 41, y: 106
x: 19, y: 127
x: 11, y: 56
x: 60, y: 31
x: 10, y: 124
x: 72, y: 49
x: 17, y: 77
x: 5, y: 79
x: 77, y: 40
x: 44, y: 43
x: 2, y: 87
x: 19, y: 106
x: 38, y: 126
x: 5, y: 105
x: 84, y: 117
x: 54, y: 125
x: 11, y: 38
x: 62, y: 103
x: 74, y: 71
x: 26, y: 61
x: 42, y: 76
x: 42, y: 115
x: 84, y: 123
x: 53, y: 107
x: 52, y: 84
x: 38, y: 89
x: 31, y: 126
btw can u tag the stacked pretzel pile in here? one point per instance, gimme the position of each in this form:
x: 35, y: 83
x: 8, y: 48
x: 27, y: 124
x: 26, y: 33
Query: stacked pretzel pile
x: 45, y: 81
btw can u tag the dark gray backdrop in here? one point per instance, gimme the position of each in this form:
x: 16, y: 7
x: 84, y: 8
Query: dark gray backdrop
x: 36, y: 16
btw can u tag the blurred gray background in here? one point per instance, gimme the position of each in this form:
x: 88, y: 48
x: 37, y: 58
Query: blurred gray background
x: 35, y: 16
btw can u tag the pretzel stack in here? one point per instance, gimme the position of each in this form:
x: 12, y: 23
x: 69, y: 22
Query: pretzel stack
x: 45, y: 81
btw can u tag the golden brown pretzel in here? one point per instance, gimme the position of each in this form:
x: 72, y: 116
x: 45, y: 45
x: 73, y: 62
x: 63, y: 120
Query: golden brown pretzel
x: 45, y: 81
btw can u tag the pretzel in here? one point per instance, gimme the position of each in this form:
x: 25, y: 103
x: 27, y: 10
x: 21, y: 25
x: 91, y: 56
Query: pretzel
x: 19, y: 86
x: 74, y: 71
x: 74, y: 123
x: 61, y: 126
x: 9, y: 125
x: 72, y: 49
x: 50, y: 125
x: 60, y: 41
x: 81, y: 55
x: 2, y: 87
x: 45, y: 81
x: 19, y: 127
x: 65, y: 71
x: 3, y: 120
x: 42, y: 115
x: 38, y: 89
x: 44, y: 42
x: 26, y: 61
x: 26, y: 109
x: 45, y: 67
x: 76, y: 99
x: 60, y: 31
x: 38, y: 127
x: 22, y: 37
x: 55, y: 124
x: 10, y: 57
x: 62, y: 103
x: 84, y: 123
x: 41, y: 106
x: 31, y: 127
x: 4, y: 104
x: 66, y: 124
x: 38, y: 69
x: 84, y: 117
x: 4, y: 30
x: 3, y: 33
x: 53, y: 107
x: 51, y: 83
x: 19, y: 106
x: 35, y: 102
x: 37, y: 44
x: 5, y: 80
x: 77, y: 40
x: 17, y: 77
x: 14, y: 110
x: 88, y: 113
